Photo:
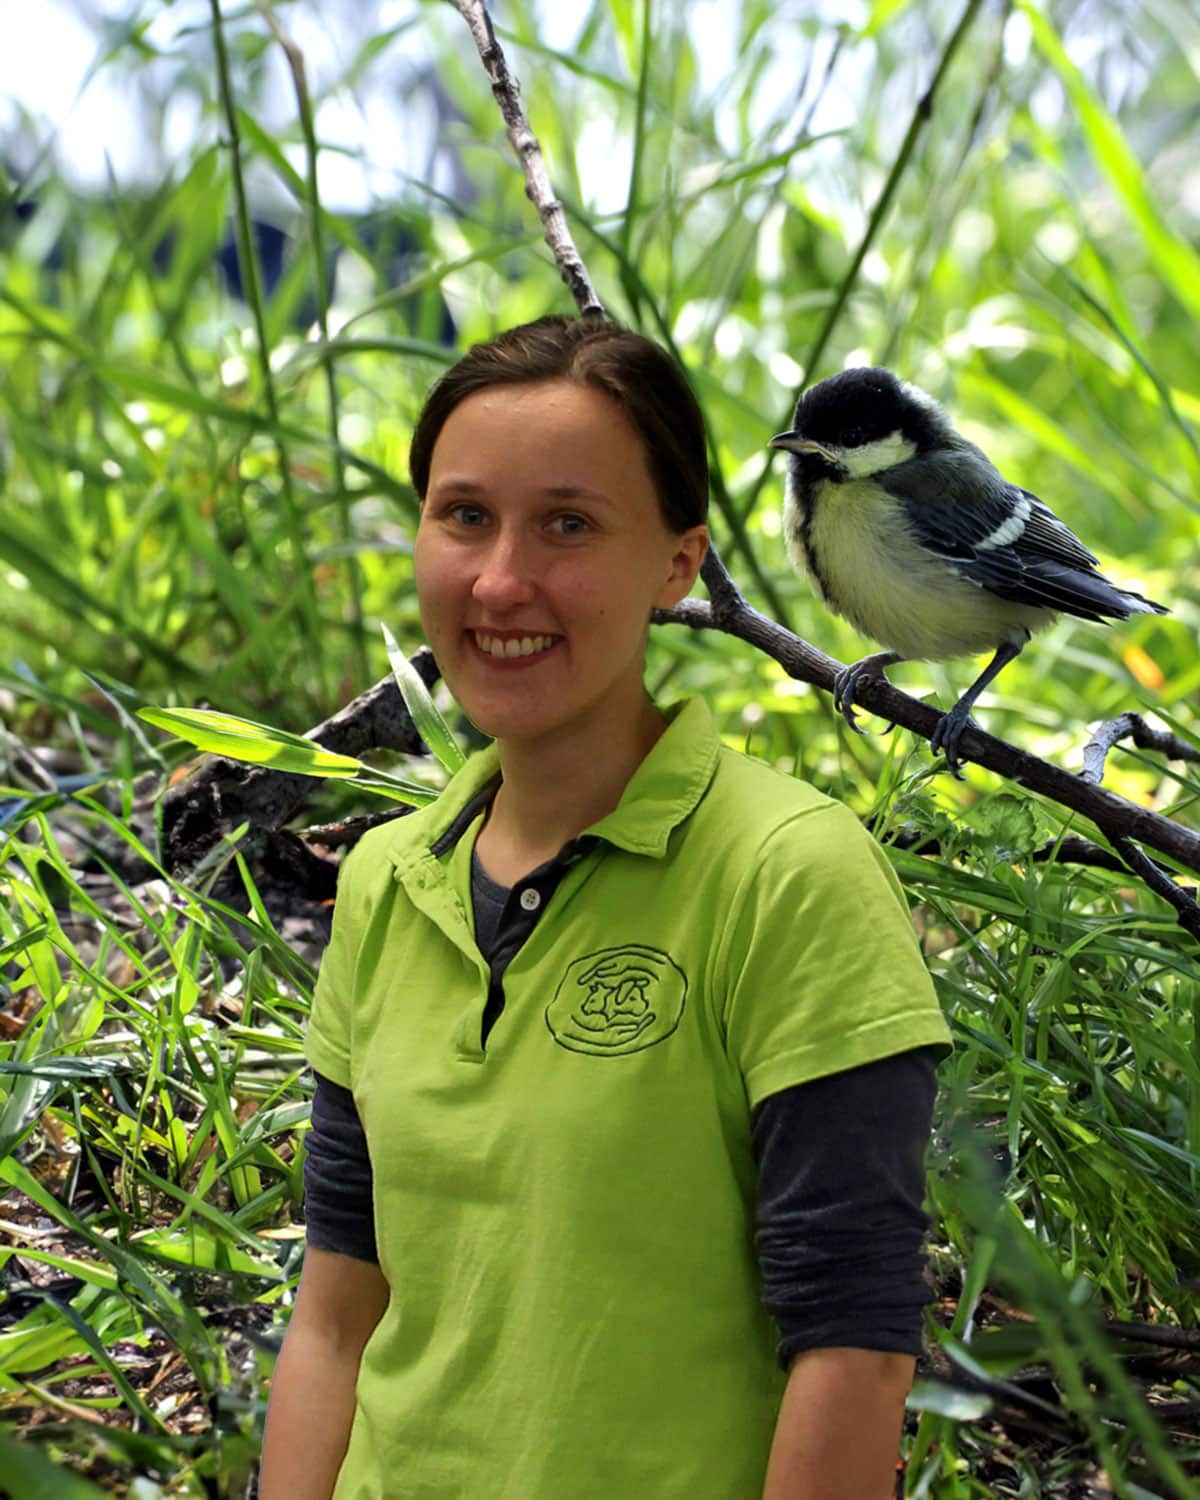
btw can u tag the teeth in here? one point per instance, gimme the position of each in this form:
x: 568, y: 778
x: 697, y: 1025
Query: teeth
x: 526, y: 645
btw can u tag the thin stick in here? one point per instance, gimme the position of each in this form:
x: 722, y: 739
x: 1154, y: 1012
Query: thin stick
x: 1135, y: 728
x: 537, y: 182
x: 1187, y: 910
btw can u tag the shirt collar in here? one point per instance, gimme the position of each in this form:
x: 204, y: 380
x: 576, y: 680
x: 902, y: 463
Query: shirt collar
x: 662, y: 792
x: 666, y: 787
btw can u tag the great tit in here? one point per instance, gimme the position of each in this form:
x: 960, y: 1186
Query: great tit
x: 907, y: 530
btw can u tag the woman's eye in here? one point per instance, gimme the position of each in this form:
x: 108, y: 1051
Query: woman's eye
x: 467, y: 515
x: 570, y: 525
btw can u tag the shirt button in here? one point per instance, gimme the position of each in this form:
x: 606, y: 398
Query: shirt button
x: 530, y: 900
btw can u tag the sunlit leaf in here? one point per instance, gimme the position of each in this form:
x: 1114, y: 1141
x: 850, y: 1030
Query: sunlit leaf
x: 426, y: 717
x: 242, y: 739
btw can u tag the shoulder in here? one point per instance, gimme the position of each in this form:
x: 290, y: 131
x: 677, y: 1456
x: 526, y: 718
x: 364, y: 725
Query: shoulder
x: 369, y: 867
x: 754, y: 806
x: 391, y: 845
x: 773, y: 838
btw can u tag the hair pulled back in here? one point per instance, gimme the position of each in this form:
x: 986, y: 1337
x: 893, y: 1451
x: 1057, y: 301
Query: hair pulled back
x: 634, y: 372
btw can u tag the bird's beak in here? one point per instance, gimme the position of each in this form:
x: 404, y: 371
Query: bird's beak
x: 794, y: 443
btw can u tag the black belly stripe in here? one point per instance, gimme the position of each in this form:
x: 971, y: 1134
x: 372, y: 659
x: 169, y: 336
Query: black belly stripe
x: 808, y: 505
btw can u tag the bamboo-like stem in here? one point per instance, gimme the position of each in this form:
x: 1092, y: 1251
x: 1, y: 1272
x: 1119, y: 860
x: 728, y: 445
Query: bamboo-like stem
x: 639, y: 134
x: 295, y: 61
x: 921, y: 117
x: 252, y: 286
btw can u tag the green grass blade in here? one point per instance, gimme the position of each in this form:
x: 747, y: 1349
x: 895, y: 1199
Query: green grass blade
x: 1176, y: 261
x: 242, y: 739
x: 426, y: 718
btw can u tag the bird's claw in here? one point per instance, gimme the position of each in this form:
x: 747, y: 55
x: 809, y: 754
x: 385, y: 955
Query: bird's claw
x: 845, y: 685
x: 947, y: 734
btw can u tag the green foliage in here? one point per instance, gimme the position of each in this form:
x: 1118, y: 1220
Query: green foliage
x: 260, y: 745
x: 204, y: 503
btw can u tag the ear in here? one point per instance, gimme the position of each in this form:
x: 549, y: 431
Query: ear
x: 690, y: 547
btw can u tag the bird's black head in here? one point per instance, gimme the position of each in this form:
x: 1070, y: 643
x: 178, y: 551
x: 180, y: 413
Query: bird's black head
x: 862, y: 422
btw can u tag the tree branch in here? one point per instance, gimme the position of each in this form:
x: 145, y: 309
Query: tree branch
x: 1134, y: 727
x: 537, y: 182
x: 1116, y: 817
x: 1119, y: 820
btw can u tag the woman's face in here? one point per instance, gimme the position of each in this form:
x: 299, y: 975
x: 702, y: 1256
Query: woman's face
x: 540, y: 554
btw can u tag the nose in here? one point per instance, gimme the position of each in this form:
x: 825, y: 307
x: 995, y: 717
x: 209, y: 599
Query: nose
x: 505, y: 579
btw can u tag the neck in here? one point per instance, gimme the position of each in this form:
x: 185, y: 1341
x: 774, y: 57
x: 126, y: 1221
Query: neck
x: 551, y: 792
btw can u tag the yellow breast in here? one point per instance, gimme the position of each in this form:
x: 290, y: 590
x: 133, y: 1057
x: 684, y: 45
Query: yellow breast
x: 867, y: 566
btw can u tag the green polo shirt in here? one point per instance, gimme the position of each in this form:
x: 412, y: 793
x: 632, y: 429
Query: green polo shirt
x: 565, y: 1214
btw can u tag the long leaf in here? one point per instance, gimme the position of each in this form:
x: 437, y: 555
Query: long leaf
x: 428, y: 722
x: 260, y: 745
x: 243, y: 739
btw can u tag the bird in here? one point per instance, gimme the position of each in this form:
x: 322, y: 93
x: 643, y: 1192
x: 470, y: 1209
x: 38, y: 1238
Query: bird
x: 909, y: 531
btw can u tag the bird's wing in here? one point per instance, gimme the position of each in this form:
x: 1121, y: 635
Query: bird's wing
x: 1046, y: 536
x: 1001, y: 538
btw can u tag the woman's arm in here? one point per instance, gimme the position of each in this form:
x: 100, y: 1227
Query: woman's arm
x: 339, y: 1302
x: 838, y: 1431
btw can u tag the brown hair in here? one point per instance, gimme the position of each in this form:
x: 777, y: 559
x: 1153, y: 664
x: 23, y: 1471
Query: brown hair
x: 631, y: 370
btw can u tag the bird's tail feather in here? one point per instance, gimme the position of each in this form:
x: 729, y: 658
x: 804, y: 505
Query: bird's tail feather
x: 1053, y: 585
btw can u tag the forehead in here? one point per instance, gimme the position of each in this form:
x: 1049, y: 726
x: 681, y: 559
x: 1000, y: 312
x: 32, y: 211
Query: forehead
x: 550, y: 407
x: 556, y: 431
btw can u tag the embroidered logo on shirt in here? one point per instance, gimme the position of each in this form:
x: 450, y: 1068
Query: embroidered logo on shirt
x: 616, y: 1001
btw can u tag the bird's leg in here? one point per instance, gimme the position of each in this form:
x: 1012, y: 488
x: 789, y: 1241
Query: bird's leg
x: 845, y: 684
x: 950, y: 726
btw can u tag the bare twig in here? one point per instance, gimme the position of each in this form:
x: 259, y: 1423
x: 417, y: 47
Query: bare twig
x: 1122, y: 822
x: 1156, y: 1333
x: 529, y: 153
x: 1186, y: 908
x: 1134, y: 727
x: 348, y: 831
x: 1056, y: 851
x: 1078, y: 852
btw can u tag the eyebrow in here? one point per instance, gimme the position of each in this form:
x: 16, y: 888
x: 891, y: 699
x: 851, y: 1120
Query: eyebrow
x: 470, y: 487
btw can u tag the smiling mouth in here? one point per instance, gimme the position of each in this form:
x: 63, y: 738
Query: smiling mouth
x: 513, y: 646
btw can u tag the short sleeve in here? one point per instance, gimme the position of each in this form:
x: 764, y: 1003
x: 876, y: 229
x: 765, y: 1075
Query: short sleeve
x: 819, y: 964
x: 327, y: 1038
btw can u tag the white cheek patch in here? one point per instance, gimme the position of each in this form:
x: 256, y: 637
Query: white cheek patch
x: 1008, y: 531
x: 873, y: 458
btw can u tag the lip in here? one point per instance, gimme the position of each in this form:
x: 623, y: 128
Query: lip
x: 512, y: 663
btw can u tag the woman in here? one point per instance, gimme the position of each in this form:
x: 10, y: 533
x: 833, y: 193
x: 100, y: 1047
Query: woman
x: 634, y: 1029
